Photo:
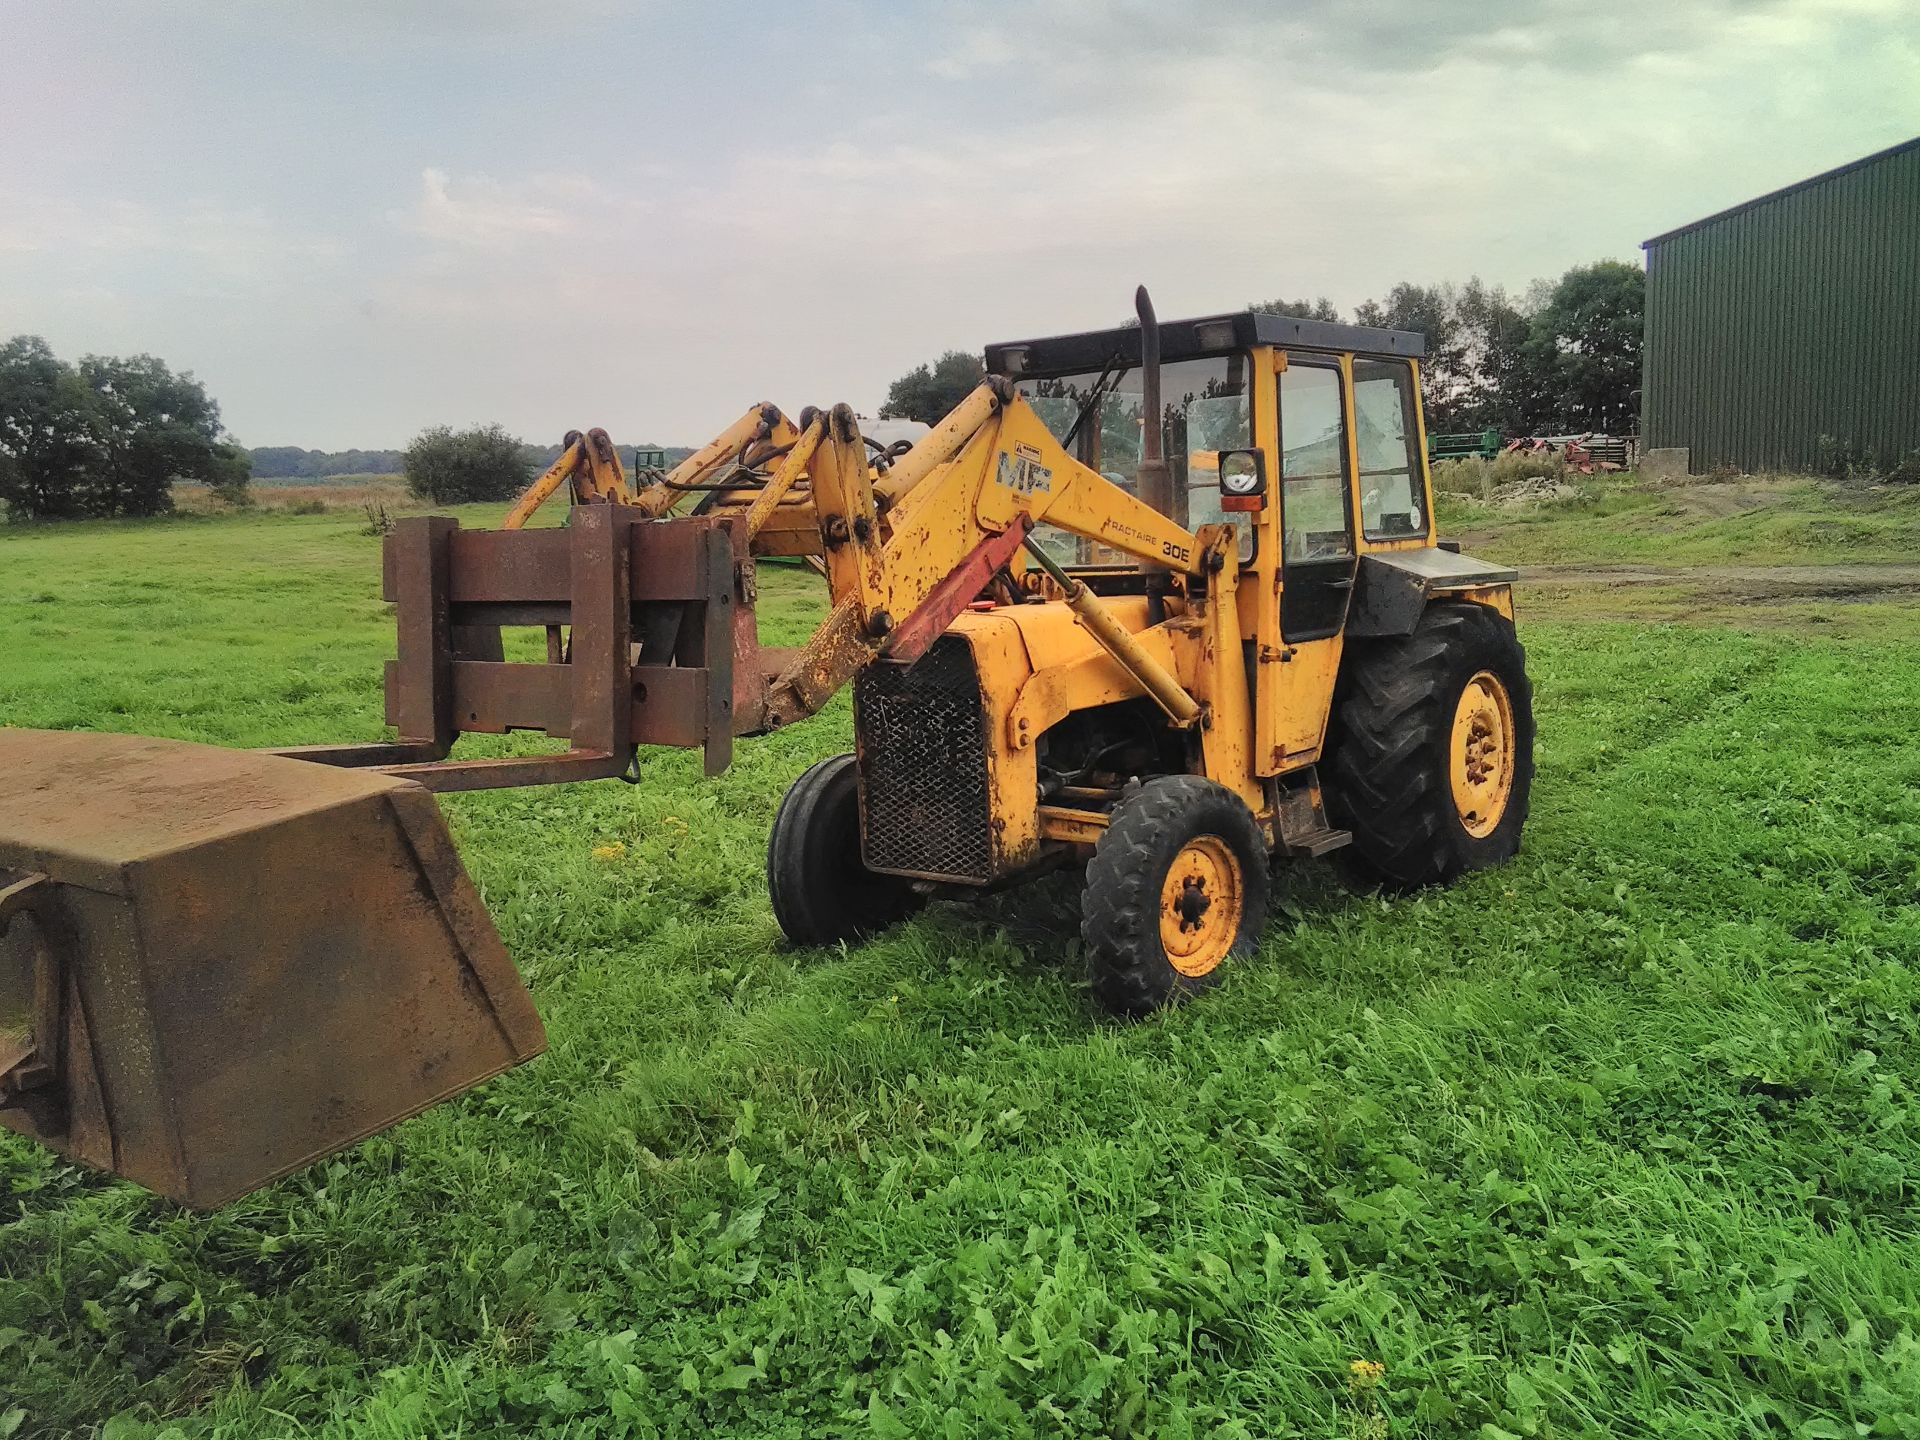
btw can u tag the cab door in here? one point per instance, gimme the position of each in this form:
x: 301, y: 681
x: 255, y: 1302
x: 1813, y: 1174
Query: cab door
x: 1317, y: 561
x: 1316, y: 507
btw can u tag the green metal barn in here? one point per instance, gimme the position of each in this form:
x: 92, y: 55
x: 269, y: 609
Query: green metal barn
x: 1789, y: 318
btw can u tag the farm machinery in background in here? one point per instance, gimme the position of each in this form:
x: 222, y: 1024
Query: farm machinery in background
x: 1164, y: 603
x: 1584, y: 454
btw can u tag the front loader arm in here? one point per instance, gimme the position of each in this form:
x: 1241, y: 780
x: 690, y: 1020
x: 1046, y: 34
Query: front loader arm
x: 590, y: 465
x: 961, y: 504
x: 906, y: 549
x: 751, y: 440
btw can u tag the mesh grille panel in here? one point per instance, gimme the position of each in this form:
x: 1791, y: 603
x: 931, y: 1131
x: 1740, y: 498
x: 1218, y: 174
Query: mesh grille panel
x: 923, y: 764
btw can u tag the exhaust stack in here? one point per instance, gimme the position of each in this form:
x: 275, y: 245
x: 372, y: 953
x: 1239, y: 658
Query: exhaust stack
x: 1152, y: 475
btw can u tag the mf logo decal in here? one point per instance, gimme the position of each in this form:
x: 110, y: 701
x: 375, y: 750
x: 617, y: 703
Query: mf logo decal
x: 1022, y: 472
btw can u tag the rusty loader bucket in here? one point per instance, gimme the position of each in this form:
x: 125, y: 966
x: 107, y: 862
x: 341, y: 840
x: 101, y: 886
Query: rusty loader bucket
x: 217, y: 966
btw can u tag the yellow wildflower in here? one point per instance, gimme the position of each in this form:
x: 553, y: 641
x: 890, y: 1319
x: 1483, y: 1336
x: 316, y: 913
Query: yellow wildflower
x: 614, y: 851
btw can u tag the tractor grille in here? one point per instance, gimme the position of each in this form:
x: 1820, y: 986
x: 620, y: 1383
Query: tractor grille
x: 923, y: 765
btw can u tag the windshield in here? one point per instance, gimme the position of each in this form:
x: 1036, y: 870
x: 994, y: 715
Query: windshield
x: 1204, y: 408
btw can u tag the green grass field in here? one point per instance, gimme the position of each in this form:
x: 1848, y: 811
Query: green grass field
x: 1622, y: 1140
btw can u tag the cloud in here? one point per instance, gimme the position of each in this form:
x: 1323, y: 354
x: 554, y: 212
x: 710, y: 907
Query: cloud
x: 642, y: 216
x: 364, y: 27
x: 214, y: 249
x: 482, y: 212
x: 1073, y: 150
x: 977, y: 50
x: 1101, y: 56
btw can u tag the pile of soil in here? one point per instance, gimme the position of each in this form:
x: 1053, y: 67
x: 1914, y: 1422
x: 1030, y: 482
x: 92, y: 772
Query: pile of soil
x: 1512, y: 494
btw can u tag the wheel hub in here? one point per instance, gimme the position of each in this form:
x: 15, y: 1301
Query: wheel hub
x: 1481, y: 755
x: 1201, y: 902
x: 1193, y: 904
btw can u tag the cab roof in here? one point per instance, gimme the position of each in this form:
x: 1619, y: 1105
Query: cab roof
x: 1189, y: 339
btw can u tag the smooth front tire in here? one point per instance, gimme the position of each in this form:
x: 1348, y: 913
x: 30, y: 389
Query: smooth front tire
x: 822, y: 891
x: 1176, y: 888
x: 1430, y: 760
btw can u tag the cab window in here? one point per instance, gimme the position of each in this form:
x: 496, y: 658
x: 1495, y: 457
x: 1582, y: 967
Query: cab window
x: 1221, y: 420
x: 1386, y: 435
x: 1314, y: 506
x: 1204, y: 408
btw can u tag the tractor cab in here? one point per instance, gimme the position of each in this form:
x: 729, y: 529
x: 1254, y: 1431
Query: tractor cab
x: 1307, y: 437
x: 1317, y: 426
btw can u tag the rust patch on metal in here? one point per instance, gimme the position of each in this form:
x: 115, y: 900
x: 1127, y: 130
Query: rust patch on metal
x: 838, y: 650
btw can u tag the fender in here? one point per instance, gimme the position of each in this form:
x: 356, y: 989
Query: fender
x: 1392, y: 588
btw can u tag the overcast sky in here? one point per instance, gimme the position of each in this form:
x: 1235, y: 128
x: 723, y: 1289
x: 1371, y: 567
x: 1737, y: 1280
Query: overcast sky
x: 353, y: 218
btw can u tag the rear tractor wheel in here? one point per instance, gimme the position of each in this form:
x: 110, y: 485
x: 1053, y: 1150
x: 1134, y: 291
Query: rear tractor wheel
x: 1432, y: 749
x: 1177, y: 886
x: 821, y: 889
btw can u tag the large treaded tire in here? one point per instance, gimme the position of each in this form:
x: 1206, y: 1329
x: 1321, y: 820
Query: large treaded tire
x: 822, y: 891
x: 1388, y: 778
x: 1120, y: 924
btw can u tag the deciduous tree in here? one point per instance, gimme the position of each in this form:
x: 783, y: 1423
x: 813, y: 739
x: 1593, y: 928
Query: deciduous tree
x: 106, y: 437
x: 155, y: 427
x: 1502, y: 390
x: 49, y: 432
x: 1563, y: 359
x: 927, y: 392
x: 1586, y: 338
x: 1446, y: 382
x: 451, y: 467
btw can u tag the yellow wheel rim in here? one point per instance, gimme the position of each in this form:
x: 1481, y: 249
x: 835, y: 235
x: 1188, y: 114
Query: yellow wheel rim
x: 1481, y: 755
x: 1201, y: 902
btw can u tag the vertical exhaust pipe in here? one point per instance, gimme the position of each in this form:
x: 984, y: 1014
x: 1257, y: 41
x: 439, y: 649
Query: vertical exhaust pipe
x: 1153, y: 478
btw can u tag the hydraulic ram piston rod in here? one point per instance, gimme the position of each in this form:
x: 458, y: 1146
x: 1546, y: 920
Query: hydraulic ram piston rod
x: 1118, y: 642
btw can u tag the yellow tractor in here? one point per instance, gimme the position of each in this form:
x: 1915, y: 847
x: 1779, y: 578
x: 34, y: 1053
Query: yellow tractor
x: 1067, y: 648
x: 1161, y: 601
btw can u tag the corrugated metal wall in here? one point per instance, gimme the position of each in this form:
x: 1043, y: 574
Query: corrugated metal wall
x: 1791, y: 318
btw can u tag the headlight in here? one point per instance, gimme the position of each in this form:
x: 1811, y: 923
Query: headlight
x: 1241, y: 472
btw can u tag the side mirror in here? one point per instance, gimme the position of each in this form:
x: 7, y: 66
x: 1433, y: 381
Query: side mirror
x: 1243, y: 479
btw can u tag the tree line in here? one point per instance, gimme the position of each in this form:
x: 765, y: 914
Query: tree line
x: 111, y: 436
x: 1564, y: 358
x: 290, y: 462
x: 485, y: 462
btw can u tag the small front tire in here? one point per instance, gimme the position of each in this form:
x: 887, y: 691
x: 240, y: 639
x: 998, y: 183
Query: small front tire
x: 821, y: 889
x: 1177, y: 886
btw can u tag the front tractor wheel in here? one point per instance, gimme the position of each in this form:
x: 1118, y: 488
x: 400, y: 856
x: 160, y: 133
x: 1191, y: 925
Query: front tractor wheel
x: 1177, y: 887
x: 1431, y: 750
x: 822, y: 891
